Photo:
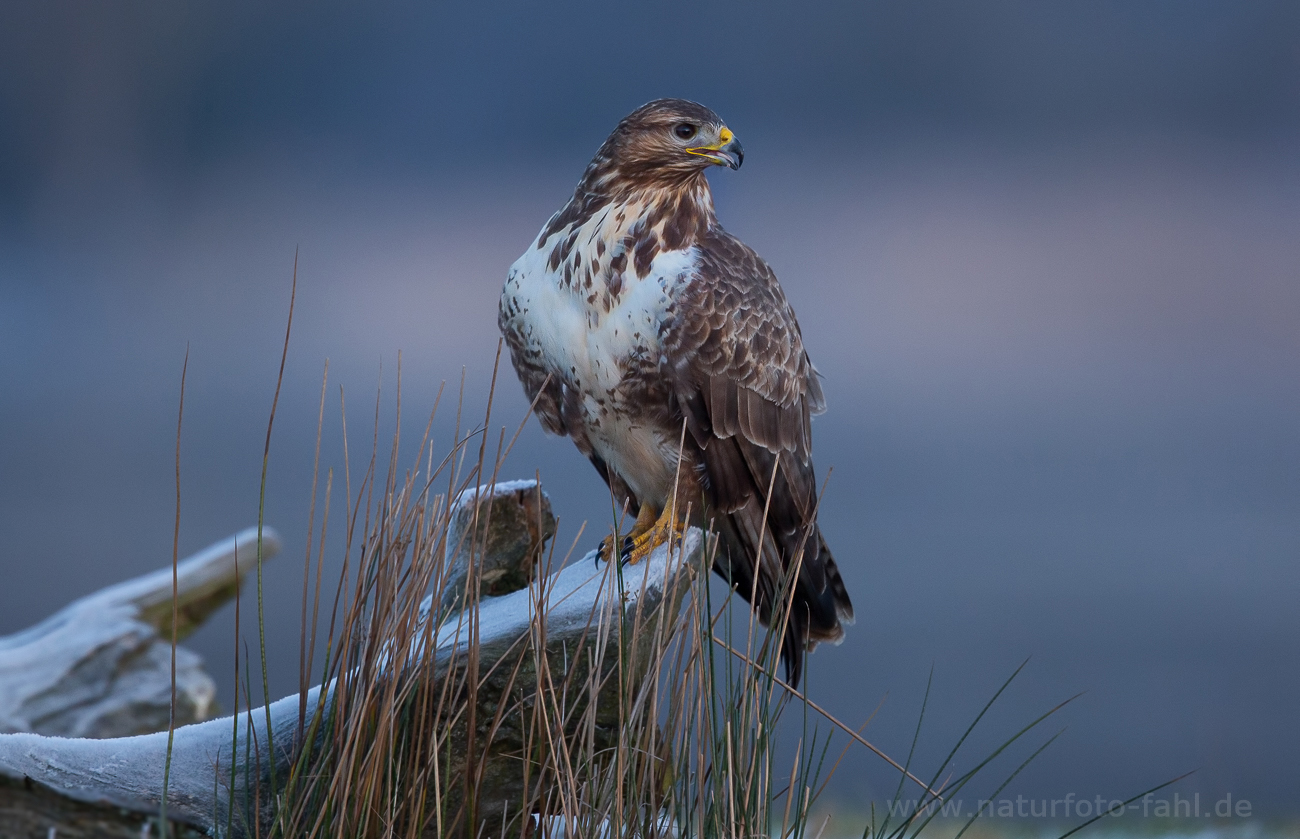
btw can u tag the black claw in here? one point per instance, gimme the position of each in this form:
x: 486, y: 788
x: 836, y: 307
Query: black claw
x: 607, y: 545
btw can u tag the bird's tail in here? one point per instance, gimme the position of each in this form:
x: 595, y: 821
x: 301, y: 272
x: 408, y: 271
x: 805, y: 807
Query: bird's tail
x: 819, y: 609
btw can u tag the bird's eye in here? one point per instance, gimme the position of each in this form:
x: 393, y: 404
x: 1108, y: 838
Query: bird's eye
x: 685, y: 130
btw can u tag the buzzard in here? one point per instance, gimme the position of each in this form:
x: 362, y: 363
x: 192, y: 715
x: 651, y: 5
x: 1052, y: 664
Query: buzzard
x: 665, y: 348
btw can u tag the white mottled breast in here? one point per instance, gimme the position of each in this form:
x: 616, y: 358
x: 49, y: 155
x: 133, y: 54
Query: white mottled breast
x: 592, y: 325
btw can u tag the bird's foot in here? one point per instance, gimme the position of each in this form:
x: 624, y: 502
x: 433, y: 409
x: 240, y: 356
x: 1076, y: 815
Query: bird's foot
x: 607, y: 553
x: 645, y: 519
x: 652, y: 529
x: 666, y: 529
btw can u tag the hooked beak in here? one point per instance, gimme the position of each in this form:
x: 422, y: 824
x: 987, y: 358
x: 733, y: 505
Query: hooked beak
x: 727, y: 152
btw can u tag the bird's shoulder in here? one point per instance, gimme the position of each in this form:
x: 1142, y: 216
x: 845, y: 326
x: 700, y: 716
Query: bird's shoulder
x: 733, y: 320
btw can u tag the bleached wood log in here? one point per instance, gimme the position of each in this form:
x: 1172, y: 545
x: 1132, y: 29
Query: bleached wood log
x: 503, y: 528
x: 101, y: 668
x: 574, y: 608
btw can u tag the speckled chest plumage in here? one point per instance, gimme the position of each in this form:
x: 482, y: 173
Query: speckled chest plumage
x: 585, y: 308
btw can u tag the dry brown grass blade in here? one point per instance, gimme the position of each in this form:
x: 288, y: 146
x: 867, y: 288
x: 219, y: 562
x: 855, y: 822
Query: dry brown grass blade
x: 176, y: 547
x: 797, y: 694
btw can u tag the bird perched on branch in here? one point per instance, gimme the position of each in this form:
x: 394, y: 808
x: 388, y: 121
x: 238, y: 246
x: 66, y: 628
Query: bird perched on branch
x: 665, y: 348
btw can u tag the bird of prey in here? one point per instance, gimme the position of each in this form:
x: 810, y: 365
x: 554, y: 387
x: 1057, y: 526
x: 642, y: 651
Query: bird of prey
x: 666, y: 349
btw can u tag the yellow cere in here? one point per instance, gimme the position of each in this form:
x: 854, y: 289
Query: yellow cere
x: 724, y: 136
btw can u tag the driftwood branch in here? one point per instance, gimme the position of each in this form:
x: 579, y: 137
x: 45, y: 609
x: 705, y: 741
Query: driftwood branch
x: 572, y: 611
x: 101, y: 668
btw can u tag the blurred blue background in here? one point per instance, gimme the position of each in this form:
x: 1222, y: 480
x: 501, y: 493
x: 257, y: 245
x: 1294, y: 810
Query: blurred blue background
x: 1047, y: 256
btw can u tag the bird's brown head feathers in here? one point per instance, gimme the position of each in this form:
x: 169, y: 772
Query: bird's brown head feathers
x: 665, y: 142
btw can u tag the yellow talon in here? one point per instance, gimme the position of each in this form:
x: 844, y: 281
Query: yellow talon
x: 651, y: 530
x: 664, y: 528
x: 645, y: 519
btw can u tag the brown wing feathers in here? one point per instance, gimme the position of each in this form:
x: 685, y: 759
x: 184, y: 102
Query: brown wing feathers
x: 747, y: 390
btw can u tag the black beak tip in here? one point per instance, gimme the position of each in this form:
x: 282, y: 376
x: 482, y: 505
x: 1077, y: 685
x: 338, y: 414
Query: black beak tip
x: 737, y: 154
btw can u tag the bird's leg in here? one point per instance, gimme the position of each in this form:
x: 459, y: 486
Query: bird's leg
x: 645, y: 519
x: 666, y: 527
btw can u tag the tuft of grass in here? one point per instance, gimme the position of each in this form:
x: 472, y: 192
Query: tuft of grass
x: 646, y: 729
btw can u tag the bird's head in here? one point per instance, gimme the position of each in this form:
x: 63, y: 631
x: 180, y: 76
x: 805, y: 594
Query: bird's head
x: 670, y: 139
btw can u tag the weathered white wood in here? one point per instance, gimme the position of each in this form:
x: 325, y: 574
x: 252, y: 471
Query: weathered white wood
x: 101, y: 667
x: 503, y: 528
x: 128, y: 772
